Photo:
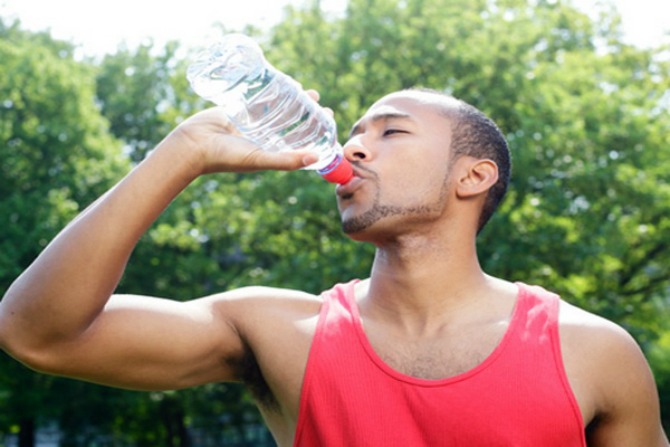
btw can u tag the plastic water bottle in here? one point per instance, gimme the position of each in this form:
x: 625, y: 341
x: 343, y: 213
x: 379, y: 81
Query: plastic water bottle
x: 267, y: 106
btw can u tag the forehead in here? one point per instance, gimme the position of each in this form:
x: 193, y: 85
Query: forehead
x: 429, y: 114
x: 412, y: 104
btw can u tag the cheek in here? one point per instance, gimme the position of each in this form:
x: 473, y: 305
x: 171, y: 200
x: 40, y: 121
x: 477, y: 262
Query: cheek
x: 428, y: 182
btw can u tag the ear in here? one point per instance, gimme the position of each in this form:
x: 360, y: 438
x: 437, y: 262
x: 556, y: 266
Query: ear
x: 477, y: 177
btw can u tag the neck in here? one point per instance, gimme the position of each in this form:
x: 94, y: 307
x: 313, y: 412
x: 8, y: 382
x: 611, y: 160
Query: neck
x: 421, y: 281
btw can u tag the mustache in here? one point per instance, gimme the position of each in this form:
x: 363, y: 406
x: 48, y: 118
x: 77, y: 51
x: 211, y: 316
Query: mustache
x: 359, y: 168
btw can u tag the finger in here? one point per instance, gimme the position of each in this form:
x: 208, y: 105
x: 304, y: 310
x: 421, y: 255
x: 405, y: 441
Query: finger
x: 316, y: 96
x: 289, y: 160
x: 313, y: 94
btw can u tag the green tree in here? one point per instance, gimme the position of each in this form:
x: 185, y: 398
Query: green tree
x: 659, y: 356
x: 586, y: 116
x: 57, y: 157
x: 144, y: 94
x: 141, y: 93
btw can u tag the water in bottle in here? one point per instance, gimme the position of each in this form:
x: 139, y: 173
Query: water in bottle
x: 266, y: 105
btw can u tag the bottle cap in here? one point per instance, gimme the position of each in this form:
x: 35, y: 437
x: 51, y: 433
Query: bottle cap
x: 341, y: 173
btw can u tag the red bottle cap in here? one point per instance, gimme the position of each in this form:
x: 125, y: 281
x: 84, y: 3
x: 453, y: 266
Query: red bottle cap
x: 341, y: 174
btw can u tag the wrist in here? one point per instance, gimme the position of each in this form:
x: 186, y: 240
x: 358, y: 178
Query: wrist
x: 181, y: 155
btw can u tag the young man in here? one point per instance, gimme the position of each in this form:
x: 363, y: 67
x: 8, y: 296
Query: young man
x: 428, y: 351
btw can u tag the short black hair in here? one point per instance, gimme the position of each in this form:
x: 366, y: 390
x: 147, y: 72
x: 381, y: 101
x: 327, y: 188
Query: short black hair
x: 476, y: 135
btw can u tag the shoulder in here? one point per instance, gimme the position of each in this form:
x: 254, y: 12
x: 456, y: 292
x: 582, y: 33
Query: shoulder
x: 603, y: 340
x: 608, y: 372
x: 574, y: 319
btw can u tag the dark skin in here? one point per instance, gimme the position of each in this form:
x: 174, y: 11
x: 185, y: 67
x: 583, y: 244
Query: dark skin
x: 61, y: 316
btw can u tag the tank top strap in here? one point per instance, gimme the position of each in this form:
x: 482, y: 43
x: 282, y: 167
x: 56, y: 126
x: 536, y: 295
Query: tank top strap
x: 340, y: 302
x: 537, y: 313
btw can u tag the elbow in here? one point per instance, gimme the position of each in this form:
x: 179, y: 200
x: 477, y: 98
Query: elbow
x: 39, y: 360
x: 12, y: 345
x: 7, y: 340
x: 15, y: 331
x: 18, y: 344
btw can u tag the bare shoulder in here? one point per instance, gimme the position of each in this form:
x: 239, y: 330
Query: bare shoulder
x: 611, y: 380
x: 582, y: 330
x: 603, y: 351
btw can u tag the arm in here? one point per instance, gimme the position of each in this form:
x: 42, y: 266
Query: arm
x: 59, y: 315
x: 627, y: 410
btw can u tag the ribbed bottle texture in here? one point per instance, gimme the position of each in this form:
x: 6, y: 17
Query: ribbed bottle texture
x: 266, y: 105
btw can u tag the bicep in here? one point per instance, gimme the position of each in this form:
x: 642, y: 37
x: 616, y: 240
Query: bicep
x: 151, y: 343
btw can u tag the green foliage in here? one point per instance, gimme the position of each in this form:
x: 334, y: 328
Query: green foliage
x: 57, y: 156
x: 142, y: 95
x: 590, y: 196
x: 585, y: 114
x: 659, y: 357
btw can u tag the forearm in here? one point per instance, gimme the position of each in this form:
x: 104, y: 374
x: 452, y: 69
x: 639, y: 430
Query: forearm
x: 64, y: 289
x: 45, y: 314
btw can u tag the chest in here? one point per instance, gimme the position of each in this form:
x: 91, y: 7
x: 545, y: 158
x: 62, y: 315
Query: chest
x: 528, y: 360
x: 447, y: 353
x: 394, y: 391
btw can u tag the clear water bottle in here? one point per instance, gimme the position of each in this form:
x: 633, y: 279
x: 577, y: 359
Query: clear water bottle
x: 267, y: 106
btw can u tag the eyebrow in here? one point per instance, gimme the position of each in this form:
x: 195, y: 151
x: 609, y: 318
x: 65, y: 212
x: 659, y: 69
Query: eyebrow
x: 377, y: 117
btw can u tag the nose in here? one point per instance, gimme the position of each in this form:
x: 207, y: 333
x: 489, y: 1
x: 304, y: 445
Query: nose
x: 355, y: 150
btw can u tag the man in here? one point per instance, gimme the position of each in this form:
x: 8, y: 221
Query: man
x: 428, y: 351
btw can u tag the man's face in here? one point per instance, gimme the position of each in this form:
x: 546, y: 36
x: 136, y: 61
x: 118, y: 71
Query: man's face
x: 400, y: 150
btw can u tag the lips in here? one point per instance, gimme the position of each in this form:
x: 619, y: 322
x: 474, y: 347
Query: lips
x: 346, y: 190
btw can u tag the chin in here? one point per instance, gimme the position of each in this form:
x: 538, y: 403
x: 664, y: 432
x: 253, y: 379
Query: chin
x: 366, y: 231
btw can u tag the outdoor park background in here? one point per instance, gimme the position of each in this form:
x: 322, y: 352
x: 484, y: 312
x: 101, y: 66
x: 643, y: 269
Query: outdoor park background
x: 588, y: 214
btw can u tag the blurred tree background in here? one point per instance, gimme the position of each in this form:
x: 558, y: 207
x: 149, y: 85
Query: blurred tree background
x: 588, y: 213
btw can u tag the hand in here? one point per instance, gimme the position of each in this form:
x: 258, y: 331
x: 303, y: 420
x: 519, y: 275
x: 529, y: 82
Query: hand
x: 217, y: 146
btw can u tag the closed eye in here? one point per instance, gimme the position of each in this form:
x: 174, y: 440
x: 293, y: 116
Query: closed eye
x: 389, y: 132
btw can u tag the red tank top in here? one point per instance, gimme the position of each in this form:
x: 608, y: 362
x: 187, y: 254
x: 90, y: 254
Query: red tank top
x: 519, y: 396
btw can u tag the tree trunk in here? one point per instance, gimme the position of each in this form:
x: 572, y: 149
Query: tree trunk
x: 172, y: 414
x: 27, y: 432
